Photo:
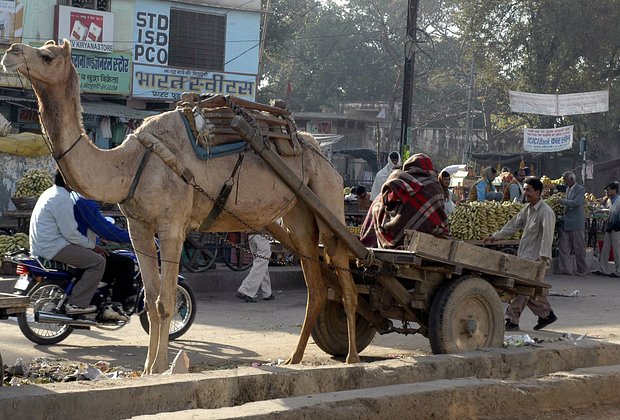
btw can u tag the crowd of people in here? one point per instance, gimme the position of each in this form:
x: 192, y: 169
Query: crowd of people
x: 413, y: 196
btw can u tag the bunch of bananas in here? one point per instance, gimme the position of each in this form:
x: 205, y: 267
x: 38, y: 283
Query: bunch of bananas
x: 13, y: 243
x: 548, y: 182
x: 479, y: 219
x: 554, y: 202
x: 591, y: 199
x: 33, y: 183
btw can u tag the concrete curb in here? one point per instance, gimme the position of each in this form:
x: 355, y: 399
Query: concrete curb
x: 441, y: 399
x: 125, y: 398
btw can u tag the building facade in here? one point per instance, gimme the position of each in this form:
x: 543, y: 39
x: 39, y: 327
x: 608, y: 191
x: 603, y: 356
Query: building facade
x: 135, y: 57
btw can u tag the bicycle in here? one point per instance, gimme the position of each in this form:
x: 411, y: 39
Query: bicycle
x: 202, y: 249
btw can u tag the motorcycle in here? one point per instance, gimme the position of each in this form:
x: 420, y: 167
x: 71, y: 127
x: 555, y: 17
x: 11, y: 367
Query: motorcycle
x: 48, y: 284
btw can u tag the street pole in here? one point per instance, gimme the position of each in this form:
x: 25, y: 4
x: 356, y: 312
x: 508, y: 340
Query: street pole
x: 583, y: 148
x: 412, y: 18
x: 470, y: 99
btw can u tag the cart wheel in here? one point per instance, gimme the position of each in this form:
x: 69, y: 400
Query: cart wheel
x: 330, y: 331
x: 466, y: 314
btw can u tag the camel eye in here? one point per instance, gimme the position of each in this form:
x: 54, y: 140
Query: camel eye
x: 47, y: 58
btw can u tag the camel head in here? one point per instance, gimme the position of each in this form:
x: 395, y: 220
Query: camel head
x: 48, y: 65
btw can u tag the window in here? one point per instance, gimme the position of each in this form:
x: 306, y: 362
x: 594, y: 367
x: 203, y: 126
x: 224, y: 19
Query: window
x: 101, y: 5
x: 197, y: 40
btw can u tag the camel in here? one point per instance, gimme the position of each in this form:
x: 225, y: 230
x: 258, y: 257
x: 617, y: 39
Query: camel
x: 163, y: 204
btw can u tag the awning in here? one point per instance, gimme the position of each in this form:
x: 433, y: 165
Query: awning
x: 115, y: 110
x: 326, y: 140
x: 97, y: 108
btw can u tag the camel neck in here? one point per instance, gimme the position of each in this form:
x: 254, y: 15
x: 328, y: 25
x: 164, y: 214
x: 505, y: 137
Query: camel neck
x: 99, y: 174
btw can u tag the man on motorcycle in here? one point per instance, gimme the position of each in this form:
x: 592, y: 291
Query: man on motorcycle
x: 54, y: 236
x: 119, y: 269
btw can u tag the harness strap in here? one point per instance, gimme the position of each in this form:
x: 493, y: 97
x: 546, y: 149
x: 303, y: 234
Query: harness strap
x: 136, y: 178
x: 216, y: 210
x: 57, y: 158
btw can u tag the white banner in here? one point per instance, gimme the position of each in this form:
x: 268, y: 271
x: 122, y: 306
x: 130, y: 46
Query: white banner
x: 558, y: 105
x: 547, y: 139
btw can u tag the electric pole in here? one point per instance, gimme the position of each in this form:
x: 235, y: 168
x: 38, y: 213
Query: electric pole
x: 470, y: 100
x: 410, y: 43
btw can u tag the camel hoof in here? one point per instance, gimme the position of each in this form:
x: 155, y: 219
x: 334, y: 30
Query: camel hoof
x: 293, y: 360
x: 353, y: 359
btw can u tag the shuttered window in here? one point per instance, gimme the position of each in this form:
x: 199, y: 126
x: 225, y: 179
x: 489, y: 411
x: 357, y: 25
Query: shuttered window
x: 197, y: 40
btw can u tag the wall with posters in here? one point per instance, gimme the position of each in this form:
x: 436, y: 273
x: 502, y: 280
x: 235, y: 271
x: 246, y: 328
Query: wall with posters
x: 11, y: 20
x: 87, y: 29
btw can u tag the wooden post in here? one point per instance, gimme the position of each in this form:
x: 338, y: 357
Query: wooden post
x: 245, y: 130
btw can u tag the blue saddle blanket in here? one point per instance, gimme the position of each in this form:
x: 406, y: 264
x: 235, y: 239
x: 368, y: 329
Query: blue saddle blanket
x: 215, y: 151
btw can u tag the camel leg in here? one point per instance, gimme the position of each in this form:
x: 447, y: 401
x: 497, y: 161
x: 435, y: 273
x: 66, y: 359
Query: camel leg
x: 142, y: 238
x: 171, y: 240
x: 337, y: 254
x: 305, y: 236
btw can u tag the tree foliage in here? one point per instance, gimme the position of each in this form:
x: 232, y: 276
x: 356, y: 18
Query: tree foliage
x: 354, y: 52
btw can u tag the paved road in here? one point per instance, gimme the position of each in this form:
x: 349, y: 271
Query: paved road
x: 229, y: 332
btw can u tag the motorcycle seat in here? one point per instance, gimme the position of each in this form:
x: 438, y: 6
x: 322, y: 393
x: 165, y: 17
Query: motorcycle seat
x: 53, y: 265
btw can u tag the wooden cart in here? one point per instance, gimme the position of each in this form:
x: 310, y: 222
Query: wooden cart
x: 451, y: 289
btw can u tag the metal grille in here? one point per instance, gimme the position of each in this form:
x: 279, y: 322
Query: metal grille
x: 102, y: 5
x: 197, y: 40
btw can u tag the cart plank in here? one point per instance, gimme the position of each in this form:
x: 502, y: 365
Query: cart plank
x: 12, y: 304
x: 473, y: 257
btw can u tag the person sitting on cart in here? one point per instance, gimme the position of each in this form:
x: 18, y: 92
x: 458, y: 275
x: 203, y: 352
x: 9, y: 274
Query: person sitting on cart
x: 119, y: 269
x: 411, y: 198
x: 537, y: 221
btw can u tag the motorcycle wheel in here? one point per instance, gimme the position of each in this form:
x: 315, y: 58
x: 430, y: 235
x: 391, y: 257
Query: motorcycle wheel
x: 43, y: 297
x: 183, y: 316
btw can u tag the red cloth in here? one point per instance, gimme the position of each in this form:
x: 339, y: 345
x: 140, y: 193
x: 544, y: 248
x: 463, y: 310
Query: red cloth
x: 411, y: 198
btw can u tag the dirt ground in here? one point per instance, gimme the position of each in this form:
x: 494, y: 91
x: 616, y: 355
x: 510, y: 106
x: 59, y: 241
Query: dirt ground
x: 228, y: 333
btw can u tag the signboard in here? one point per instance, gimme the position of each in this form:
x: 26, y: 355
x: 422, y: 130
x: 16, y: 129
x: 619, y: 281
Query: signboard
x: 87, y: 29
x: 110, y: 73
x: 151, y: 33
x: 548, y: 139
x: 166, y: 83
x: 558, y: 105
x: 98, y: 74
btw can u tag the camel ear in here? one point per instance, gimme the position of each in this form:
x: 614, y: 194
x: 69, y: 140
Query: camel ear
x: 50, y: 42
x: 66, y: 47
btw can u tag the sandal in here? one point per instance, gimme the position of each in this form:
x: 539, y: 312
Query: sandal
x: 245, y: 298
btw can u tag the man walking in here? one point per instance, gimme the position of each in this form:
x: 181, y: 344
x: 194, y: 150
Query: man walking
x: 571, y: 236
x: 612, y: 235
x: 537, y: 221
x: 258, y: 277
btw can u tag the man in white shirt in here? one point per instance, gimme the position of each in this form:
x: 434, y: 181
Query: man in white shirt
x: 537, y: 221
x: 54, y: 236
